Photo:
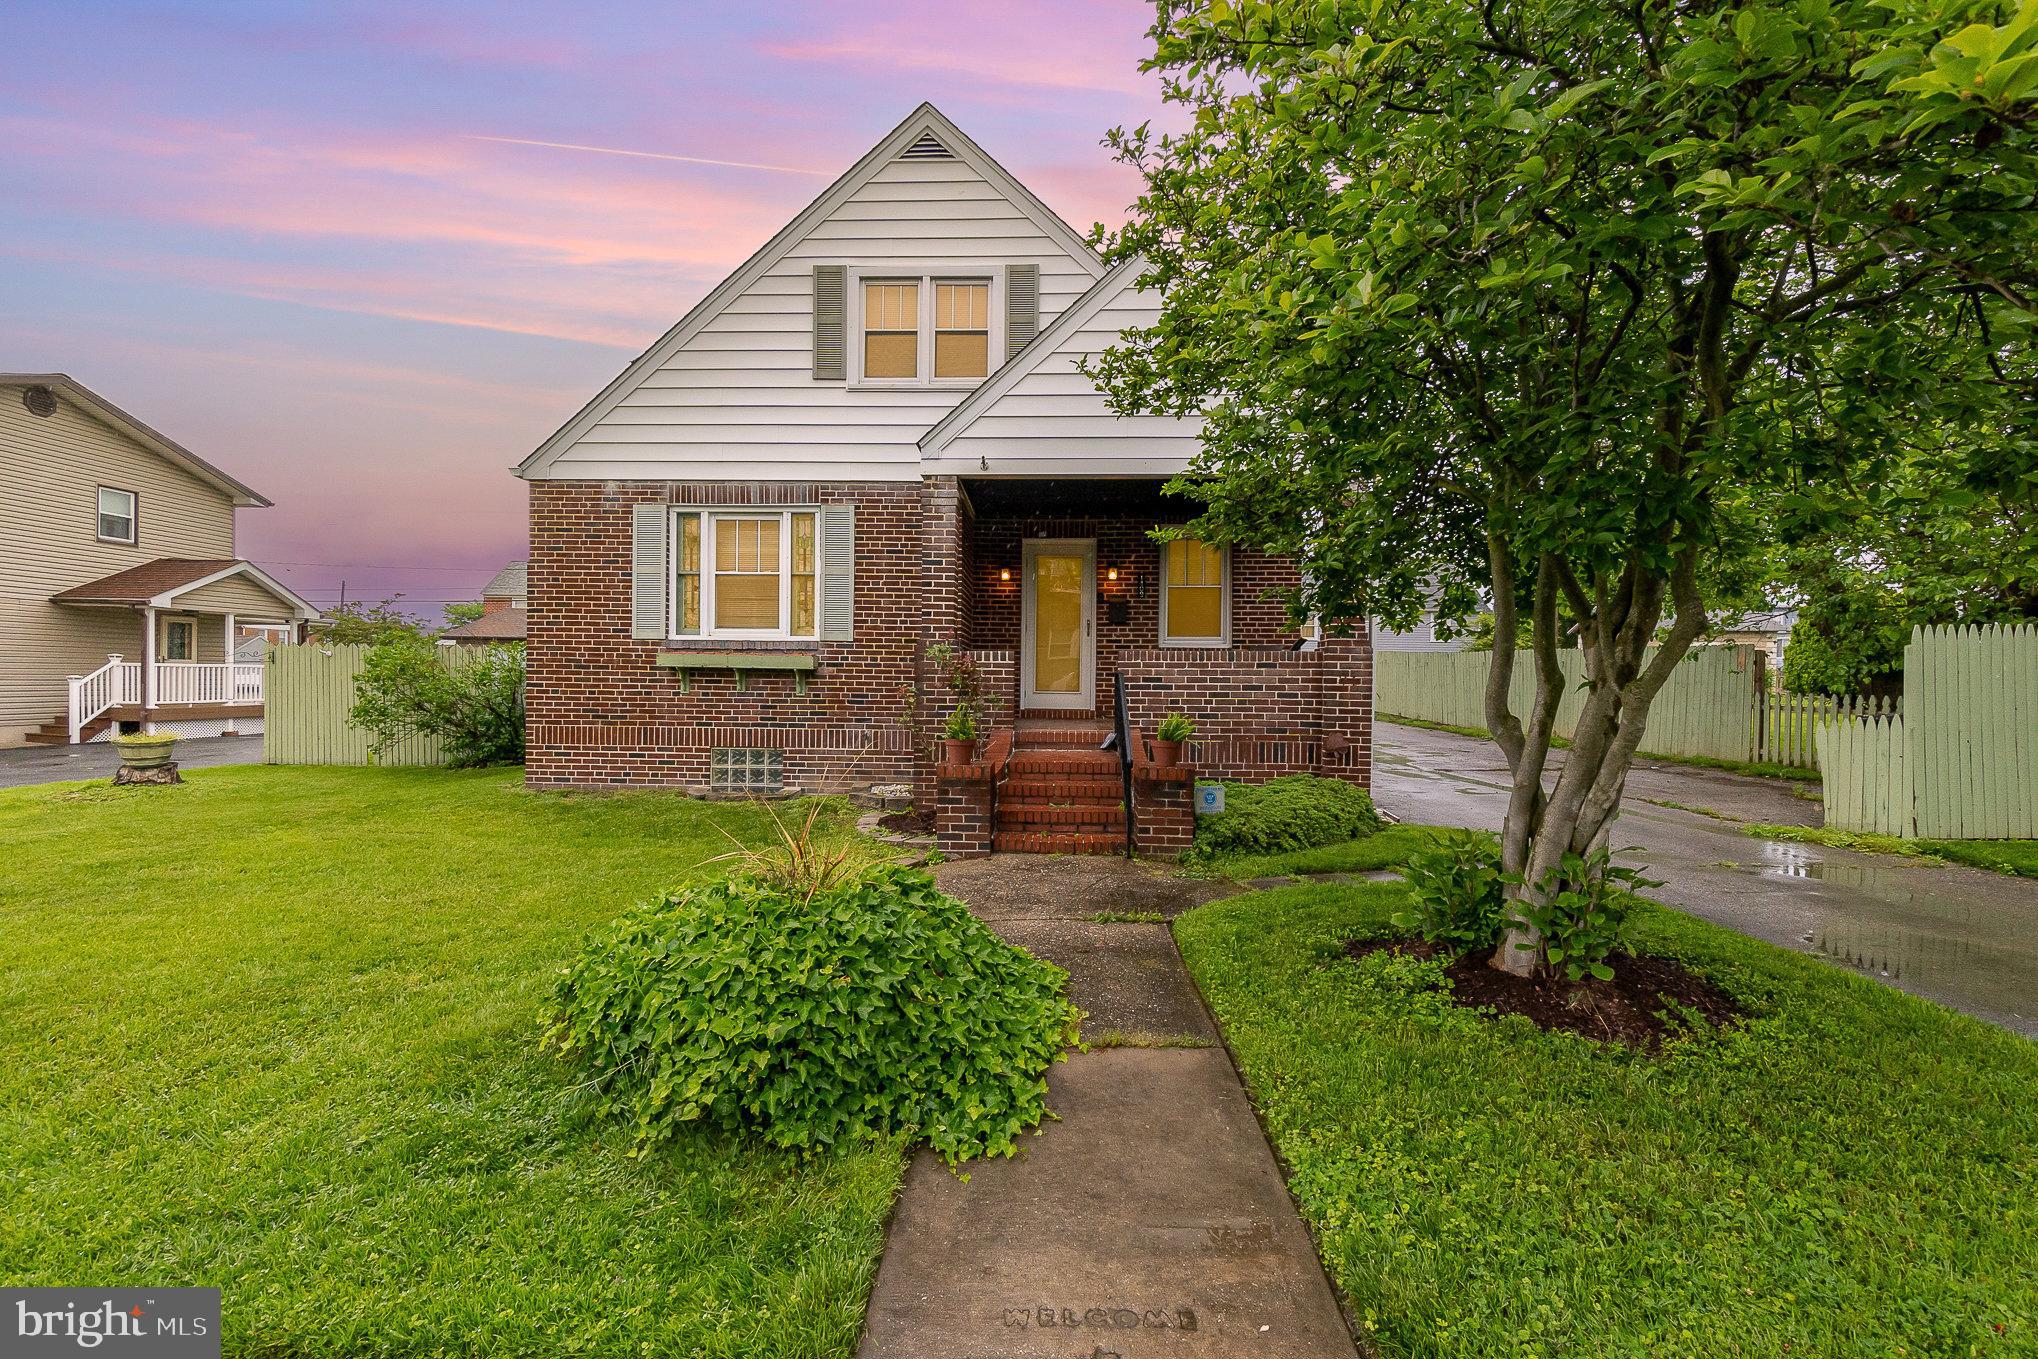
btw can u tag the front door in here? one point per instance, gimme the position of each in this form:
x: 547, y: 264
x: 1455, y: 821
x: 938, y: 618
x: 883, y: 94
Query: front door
x: 1058, y: 649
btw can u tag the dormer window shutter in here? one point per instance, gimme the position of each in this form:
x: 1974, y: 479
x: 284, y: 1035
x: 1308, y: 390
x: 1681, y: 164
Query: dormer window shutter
x: 650, y: 530
x: 1022, y: 306
x: 831, y: 322
x: 838, y: 573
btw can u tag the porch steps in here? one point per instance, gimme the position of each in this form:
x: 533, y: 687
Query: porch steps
x: 57, y: 731
x: 1060, y: 794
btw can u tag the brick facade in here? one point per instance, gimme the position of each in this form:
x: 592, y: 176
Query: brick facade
x: 602, y: 712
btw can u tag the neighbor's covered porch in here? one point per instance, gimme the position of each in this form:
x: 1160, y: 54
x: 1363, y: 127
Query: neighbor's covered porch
x: 195, y: 666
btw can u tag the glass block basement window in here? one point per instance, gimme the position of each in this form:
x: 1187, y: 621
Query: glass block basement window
x: 745, y: 771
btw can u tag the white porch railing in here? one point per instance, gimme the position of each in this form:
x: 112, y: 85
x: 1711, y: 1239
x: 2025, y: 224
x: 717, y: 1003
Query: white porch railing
x: 118, y: 684
x: 207, y: 682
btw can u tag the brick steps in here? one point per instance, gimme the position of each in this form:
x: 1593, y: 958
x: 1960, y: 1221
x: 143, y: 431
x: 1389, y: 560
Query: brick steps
x: 1060, y: 738
x: 1064, y: 764
x: 1090, y: 817
x: 1056, y: 842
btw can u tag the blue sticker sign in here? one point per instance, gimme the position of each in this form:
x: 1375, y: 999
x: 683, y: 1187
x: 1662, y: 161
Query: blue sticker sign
x: 1209, y: 799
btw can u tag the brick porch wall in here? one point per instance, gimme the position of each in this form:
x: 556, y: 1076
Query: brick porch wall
x: 601, y: 712
x: 1262, y: 713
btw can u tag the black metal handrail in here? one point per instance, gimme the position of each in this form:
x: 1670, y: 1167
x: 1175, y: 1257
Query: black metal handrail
x: 1122, y: 733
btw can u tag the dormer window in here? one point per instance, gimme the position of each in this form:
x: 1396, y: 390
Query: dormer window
x: 922, y: 328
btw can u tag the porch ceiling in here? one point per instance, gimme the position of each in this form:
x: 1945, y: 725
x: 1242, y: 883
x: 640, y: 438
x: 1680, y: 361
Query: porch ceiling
x: 1075, y: 498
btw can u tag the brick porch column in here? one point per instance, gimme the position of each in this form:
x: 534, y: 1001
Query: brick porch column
x: 944, y: 614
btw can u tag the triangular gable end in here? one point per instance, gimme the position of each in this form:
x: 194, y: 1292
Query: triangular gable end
x: 910, y: 140
x: 298, y: 604
x: 1067, y: 427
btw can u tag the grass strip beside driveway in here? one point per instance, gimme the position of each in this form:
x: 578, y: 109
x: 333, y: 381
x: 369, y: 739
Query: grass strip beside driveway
x: 1850, y: 1174
x: 274, y: 1031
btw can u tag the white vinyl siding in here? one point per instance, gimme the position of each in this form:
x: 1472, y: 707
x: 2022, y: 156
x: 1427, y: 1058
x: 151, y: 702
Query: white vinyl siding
x: 739, y: 401
x: 1052, y: 420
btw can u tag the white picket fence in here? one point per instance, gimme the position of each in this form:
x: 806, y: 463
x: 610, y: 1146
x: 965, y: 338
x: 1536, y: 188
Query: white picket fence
x: 1962, y: 761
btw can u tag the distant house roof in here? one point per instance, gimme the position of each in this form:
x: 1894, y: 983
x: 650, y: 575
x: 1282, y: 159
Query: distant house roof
x: 99, y: 408
x: 508, y: 583
x: 158, y: 583
x: 504, y: 625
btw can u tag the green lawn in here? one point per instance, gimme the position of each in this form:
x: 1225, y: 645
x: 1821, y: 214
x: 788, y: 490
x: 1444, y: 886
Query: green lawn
x: 1851, y: 1174
x: 275, y: 1031
x: 2018, y: 858
x: 1387, y: 848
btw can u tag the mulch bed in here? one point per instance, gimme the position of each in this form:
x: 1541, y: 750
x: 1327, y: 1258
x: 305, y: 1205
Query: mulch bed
x: 910, y: 822
x: 1639, y: 1007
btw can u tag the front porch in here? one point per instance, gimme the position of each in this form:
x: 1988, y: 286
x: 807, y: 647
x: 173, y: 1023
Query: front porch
x: 1064, y: 604
x: 188, y: 619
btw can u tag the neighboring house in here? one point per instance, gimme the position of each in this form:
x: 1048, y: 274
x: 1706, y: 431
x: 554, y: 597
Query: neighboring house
x: 121, y: 598
x: 503, y: 611
x: 874, y: 437
x: 1768, y: 632
x: 1422, y: 637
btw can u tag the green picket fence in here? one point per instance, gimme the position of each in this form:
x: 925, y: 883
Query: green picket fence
x: 1962, y: 762
x: 1788, y: 723
x: 308, y: 692
x: 1711, y: 706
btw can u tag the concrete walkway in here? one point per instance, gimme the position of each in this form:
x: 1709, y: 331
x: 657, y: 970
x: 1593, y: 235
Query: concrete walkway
x: 1151, y: 1218
x: 1964, y: 937
x: 55, y: 764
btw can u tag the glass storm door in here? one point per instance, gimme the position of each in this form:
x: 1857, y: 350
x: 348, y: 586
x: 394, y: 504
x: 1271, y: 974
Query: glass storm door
x: 1058, y: 656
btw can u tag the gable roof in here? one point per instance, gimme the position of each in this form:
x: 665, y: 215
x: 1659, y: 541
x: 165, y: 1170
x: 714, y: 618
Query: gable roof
x: 158, y: 583
x: 922, y: 122
x: 512, y: 582
x: 112, y: 416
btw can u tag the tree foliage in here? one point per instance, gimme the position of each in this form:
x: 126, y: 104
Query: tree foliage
x: 1584, y: 303
x: 474, y: 705
x: 369, y: 624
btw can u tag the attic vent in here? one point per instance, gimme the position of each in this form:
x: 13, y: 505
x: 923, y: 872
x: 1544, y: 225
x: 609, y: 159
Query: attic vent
x: 927, y: 148
x: 40, y: 401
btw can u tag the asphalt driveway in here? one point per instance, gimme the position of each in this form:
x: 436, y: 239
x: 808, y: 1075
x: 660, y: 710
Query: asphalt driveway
x: 55, y: 764
x: 1961, y: 936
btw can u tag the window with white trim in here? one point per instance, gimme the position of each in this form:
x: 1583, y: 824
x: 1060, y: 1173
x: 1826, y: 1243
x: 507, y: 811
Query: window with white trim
x: 745, y: 574
x: 117, y: 514
x: 1195, y: 594
x: 923, y: 328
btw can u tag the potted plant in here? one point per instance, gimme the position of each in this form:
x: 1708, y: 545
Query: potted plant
x: 959, y: 737
x: 145, y: 758
x: 1169, y: 736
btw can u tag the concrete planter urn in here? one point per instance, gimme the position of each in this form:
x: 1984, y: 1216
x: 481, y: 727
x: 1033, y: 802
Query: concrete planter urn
x: 146, y: 759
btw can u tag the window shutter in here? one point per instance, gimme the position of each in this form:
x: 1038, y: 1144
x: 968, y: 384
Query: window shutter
x: 831, y: 307
x: 838, y: 572
x: 1022, y: 306
x: 650, y: 528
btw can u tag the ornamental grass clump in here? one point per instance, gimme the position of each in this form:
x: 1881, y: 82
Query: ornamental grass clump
x: 875, y: 1006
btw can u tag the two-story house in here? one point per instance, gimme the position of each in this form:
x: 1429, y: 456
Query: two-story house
x: 121, y: 597
x: 877, y: 436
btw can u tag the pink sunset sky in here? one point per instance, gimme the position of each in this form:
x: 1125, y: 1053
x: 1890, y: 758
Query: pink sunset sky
x: 317, y: 245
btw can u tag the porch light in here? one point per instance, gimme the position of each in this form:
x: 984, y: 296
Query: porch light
x: 1112, y: 574
x: 1004, y: 573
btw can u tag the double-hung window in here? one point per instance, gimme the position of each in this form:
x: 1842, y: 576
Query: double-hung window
x: 924, y: 328
x: 745, y: 574
x: 116, y: 515
x: 1195, y: 608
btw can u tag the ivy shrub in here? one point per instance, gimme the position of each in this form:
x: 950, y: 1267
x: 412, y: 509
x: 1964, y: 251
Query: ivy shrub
x: 875, y: 1006
x: 1457, y: 894
x: 1298, y: 811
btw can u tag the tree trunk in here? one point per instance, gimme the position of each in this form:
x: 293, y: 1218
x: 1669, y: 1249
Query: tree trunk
x: 1622, y: 676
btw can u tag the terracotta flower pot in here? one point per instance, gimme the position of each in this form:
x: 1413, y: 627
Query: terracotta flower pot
x: 958, y: 752
x: 1167, y: 752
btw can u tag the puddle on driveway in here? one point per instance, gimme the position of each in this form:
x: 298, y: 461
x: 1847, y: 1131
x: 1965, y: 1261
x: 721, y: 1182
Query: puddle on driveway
x: 1910, y: 923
